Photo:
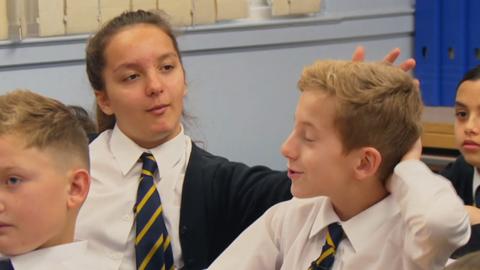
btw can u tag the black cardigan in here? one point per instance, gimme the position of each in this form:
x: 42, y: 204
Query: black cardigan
x: 460, y: 173
x: 220, y: 199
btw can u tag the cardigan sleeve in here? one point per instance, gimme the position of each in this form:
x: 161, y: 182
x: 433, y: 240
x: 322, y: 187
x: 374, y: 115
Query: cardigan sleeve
x: 240, y: 195
x: 221, y: 198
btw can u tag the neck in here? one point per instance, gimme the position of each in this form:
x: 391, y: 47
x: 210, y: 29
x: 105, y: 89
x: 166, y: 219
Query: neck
x: 64, y: 237
x: 359, y: 198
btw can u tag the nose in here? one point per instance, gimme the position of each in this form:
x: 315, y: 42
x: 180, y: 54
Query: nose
x: 154, y: 84
x: 289, y: 147
x: 473, y: 125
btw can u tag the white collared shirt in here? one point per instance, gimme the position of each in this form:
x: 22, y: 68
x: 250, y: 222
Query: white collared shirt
x: 416, y: 227
x: 72, y: 256
x: 476, y: 182
x: 106, y: 219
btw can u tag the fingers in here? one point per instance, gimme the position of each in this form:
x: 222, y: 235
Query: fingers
x: 408, y: 64
x: 392, y: 56
x: 359, y: 54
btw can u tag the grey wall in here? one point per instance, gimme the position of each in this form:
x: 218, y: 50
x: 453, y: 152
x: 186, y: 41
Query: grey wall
x: 242, y: 75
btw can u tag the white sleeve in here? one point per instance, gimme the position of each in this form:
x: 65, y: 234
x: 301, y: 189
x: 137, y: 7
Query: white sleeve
x: 257, y: 247
x: 435, y: 218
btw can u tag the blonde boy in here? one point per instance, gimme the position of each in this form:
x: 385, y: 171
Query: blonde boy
x: 355, y: 124
x: 44, y: 179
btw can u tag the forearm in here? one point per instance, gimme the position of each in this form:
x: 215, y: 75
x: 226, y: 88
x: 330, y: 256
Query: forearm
x: 434, y: 214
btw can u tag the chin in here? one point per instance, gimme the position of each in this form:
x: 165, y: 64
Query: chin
x: 298, y: 193
x: 472, y: 159
x: 10, y: 251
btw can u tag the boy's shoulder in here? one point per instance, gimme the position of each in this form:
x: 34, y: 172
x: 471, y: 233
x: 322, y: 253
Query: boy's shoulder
x: 71, y: 256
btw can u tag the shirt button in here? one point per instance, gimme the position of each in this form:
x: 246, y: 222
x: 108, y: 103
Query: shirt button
x: 126, y: 217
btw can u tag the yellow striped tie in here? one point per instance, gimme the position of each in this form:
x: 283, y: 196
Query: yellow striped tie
x: 152, y: 242
x: 327, y: 257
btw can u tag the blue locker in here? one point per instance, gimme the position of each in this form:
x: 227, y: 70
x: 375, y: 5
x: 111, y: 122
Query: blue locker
x: 427, y: 49
x: 473, y: 33
x: 453, y: 47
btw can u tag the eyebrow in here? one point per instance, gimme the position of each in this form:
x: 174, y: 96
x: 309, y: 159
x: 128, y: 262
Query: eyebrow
x: 307, y: 124
x: 458, y: 103
x: 463, y: 105
x: 135, y: 64
x: 7, y: 168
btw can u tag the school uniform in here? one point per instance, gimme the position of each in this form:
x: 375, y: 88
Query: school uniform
x: 462, y: 176
x: 465, y: 179
x: 71, y: 256
x: 207, y: 200
x: 417, y: 226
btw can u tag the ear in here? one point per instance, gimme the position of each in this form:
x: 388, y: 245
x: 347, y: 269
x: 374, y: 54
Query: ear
x: 103, y: 101
x: 185, y: 90
x: 368, y: 162
x: 78, y: 189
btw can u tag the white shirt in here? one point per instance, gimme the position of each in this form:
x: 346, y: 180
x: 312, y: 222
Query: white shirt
x: 417, y: 226
x: 106, y: 219
x: 72, y: 256
x: 476, y: 182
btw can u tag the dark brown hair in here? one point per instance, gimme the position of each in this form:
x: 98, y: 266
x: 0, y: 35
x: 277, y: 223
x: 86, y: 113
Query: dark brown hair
x: 95, y: 51
x: 84, y: 118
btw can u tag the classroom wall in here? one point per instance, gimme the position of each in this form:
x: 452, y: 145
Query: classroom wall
x: 241, y: 75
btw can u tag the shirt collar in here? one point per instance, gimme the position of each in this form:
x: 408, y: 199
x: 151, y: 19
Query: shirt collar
x: 358, y: 228
x: 126, y: 152
x: 57, y: 254
x: 476, y: 180
x: 325, y: 216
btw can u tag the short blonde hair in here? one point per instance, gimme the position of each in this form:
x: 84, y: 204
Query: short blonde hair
x: 377, y: 105
x: 43, y: 123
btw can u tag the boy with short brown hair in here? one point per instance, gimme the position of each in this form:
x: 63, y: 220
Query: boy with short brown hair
x: 44, y: 180
x: 355, y: 124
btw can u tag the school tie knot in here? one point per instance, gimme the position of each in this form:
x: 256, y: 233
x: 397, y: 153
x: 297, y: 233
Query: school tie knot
x: 149, y: 164
x: 332, y: 238
x: 6, y: 265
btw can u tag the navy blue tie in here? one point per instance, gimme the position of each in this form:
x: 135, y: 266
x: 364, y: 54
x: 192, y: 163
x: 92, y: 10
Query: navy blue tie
x: 152, y: 242
x: 332, y: 239
x: 6, y: 265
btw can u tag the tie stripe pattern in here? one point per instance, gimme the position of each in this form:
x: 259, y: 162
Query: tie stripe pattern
x: 152, y: 242
x: 332, y: 239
